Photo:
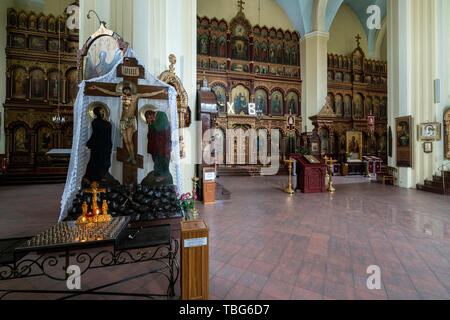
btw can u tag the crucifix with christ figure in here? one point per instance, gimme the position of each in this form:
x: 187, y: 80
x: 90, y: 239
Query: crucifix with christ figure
x: 130, y: 92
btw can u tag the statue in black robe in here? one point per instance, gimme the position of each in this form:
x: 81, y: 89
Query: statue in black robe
x: 100, y: 144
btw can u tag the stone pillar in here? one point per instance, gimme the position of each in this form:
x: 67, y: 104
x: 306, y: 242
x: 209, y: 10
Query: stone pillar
x: 313, y: 64
x: 415, y: 59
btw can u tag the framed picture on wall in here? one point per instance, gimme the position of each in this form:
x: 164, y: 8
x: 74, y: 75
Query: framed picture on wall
x: 428, y: 147
x: 403, y: 129
x: 430, y: 131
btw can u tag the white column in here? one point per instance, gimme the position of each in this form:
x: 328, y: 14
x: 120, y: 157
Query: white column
x: 413, y: 62
x: 313, y: 64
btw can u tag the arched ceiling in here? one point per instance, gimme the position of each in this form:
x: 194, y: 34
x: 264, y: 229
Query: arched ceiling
x: 360, y: 9
x: 301, y: 13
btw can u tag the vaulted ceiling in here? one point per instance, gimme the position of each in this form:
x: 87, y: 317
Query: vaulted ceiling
x: 302, y: 12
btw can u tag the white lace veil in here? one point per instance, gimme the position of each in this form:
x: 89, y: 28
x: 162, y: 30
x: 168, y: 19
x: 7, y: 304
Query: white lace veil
x: 82, y: 129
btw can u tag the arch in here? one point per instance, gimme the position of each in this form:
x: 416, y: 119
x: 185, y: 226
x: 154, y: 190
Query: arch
x: 379, y: 38
x: 320, y: 16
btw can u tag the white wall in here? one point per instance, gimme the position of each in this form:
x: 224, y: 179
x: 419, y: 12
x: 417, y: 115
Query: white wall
x: 418, y: 45
x: 343, y: 30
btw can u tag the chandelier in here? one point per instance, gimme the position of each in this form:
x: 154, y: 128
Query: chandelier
x: 58, y: 119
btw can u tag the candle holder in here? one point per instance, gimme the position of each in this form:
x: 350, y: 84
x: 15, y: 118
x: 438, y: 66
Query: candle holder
x: 368, y: 175
x: 195, y: 181
x: 330, y: 163
x: 289, y: 188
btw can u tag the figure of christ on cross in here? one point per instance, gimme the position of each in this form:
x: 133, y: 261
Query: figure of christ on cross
x: 128, y: 121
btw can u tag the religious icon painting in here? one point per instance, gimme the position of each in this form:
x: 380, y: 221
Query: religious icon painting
x: 220, y: 95
x: 96, y: 104
x: 72, y: 85
x: 23, y: 21
x: 287, y: 55
x: 53, y: 86
x: 42, y: 23
x: 347, y: 106
x: 21, y: 139
x: 72, y: 47
x: 354, y: 145
x: 213, y: 46
x: 383, y: 108
x: 331, y: 101
x: 103, y: 54
x: 203, y: 44
x: 44, y: 139
x: 20, y: 83
x: 37, y: 84
x: 239, y: 31
x: 403, y: 128
x: 276, y: 101
x: 292, y: 103
x: 428, y: 147
x: 18, y: 41
x: 32, y: 24
x: 368, y: 106
x: 54, y: 45
x: 430, y: 131
x: 338, y: 105
x: 358, y: 112
x: 261, y: 101
x: 51, y: 25
x: 12, y: 18
x: 239, y: 50
x: 37, y: 43
x: 222, y: 47
x: 376, y: 108
x: 240, y: 97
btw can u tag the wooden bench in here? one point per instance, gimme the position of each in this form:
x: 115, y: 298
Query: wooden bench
x: 390, y: 174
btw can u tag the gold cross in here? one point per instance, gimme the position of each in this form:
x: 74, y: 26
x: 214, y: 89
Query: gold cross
x: 95, y: 190
x: 241, y: 5
x: 358, y: 38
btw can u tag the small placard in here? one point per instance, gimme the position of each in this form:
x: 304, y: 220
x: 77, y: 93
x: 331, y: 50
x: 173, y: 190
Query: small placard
x: 130, y: 71
x: 210, y: 176
x: 195, y: 242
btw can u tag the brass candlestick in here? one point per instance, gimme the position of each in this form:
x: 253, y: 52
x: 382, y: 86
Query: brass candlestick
x: 368, y: 175
x: 330, y: 180
x: 289, y: 188
x: 195, y: 181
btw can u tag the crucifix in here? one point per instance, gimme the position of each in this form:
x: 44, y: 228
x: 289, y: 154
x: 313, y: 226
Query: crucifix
x: 130, y: 92
x: 94, y: 191
x: 358, y: 38
x: 241, y: 5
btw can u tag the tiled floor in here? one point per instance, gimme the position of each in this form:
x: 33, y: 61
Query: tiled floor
x: 269, y: 245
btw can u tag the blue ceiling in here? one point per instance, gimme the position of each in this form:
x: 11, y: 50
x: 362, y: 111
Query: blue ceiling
x: 300, y: 12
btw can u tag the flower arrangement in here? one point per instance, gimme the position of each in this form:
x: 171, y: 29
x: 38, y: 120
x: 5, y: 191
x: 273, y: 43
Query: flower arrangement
x: 187, y: 202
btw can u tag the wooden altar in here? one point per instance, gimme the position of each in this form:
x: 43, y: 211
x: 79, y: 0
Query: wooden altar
x: 310, y: 176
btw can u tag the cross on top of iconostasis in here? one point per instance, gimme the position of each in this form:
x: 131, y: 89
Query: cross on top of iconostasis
x: 241, y: 5
x: 358, y: 40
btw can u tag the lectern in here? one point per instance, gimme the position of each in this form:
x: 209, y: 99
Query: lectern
x: 311, y: 174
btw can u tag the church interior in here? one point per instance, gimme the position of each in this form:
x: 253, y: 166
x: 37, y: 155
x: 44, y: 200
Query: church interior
x: 225, y: 150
